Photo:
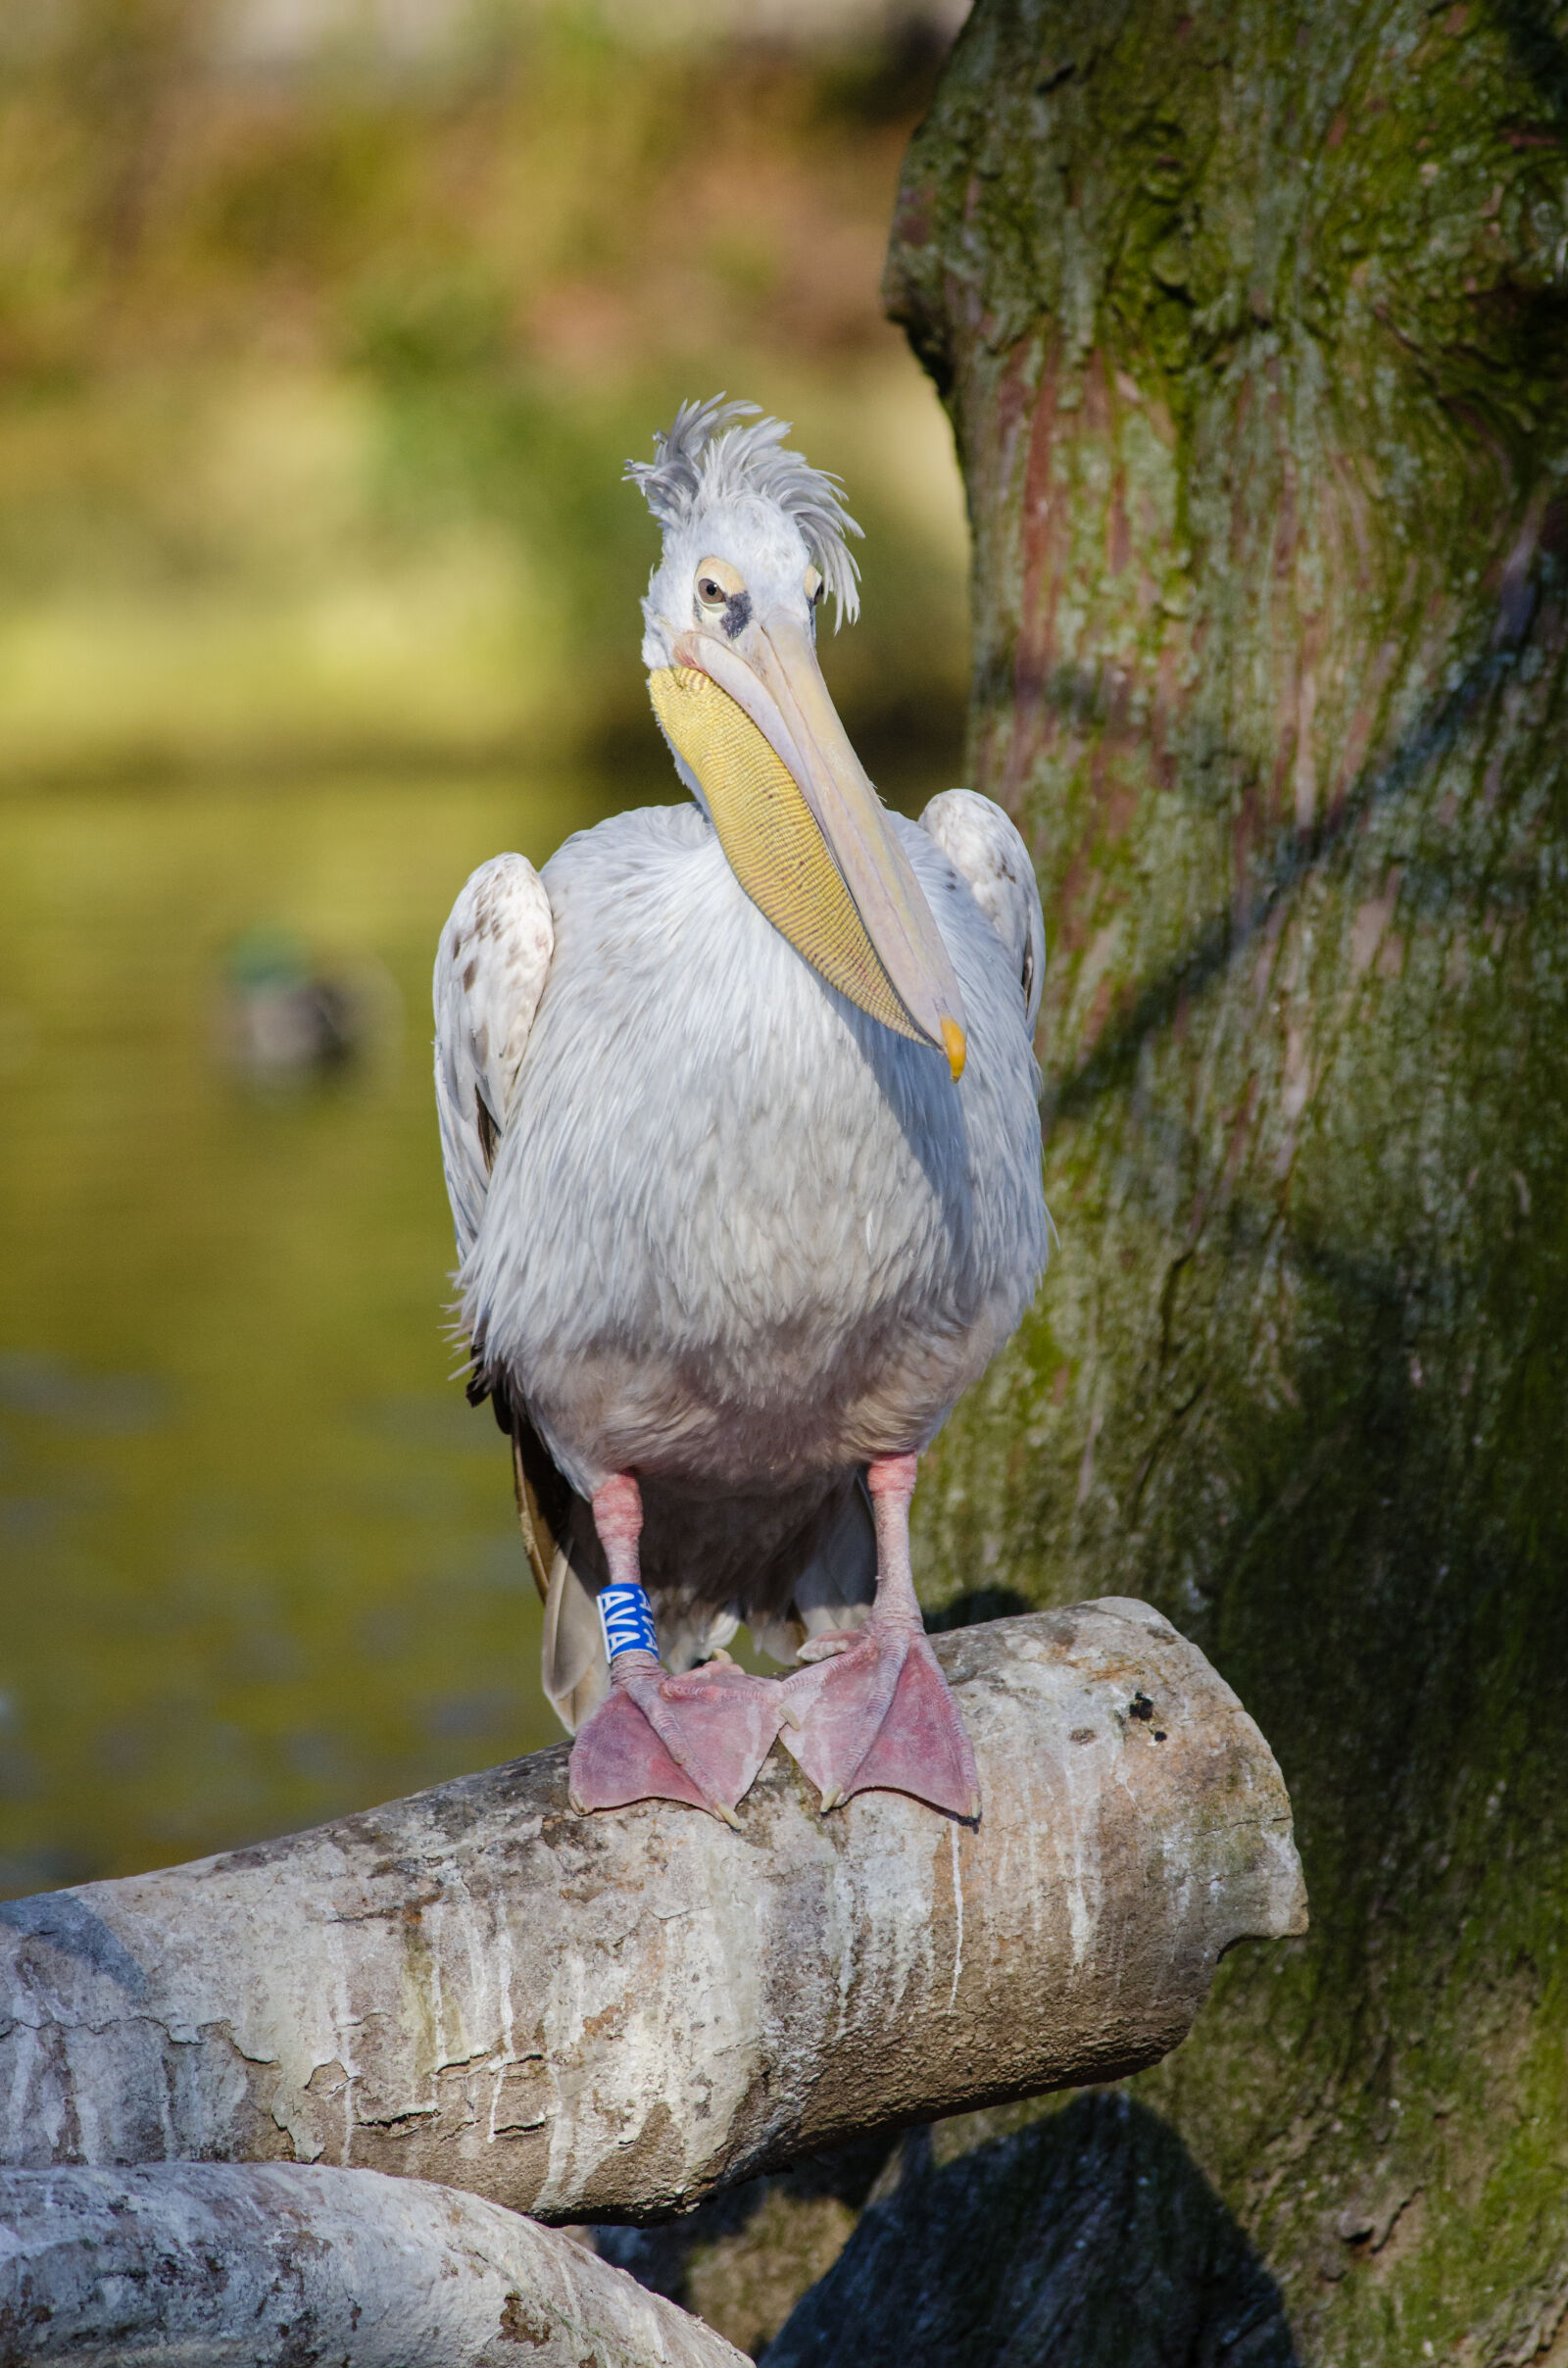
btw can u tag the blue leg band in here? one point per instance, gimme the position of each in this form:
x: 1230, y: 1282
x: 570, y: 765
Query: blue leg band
x: 627, y: 1621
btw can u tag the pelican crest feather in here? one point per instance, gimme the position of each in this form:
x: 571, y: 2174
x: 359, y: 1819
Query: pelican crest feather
x: 706, y: 457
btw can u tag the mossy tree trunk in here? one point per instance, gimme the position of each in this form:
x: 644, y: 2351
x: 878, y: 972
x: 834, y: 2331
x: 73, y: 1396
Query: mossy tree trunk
x: 1252, y: 322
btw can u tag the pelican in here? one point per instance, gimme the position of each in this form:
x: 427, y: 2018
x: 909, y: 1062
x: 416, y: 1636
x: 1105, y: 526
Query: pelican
x: 739, y: 1119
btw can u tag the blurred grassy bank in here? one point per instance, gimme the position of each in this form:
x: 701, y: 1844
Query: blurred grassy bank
x: 318, y: 372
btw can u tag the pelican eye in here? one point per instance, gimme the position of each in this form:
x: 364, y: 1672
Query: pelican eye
x: 814, y: 587
x: 717, y: 586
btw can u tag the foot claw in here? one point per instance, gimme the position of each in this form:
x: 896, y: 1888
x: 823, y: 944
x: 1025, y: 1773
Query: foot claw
x: 828, y: 1645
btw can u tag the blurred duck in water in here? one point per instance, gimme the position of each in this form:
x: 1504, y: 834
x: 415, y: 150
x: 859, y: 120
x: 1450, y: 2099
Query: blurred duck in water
x: 739, y: 1119
x: 285, y: 1019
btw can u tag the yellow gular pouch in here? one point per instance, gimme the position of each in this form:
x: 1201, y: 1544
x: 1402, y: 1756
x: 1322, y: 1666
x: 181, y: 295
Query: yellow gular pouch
x: 771, y: 841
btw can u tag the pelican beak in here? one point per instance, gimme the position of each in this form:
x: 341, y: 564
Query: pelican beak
x: 807, y: 834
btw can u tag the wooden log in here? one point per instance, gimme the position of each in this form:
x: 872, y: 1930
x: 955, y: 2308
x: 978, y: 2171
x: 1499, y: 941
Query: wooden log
x: 606, y: 2017
x: 221, y: 2265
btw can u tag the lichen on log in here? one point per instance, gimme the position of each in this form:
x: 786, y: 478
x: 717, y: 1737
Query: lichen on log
x: 603, y: 2017
x: 220, y: 2265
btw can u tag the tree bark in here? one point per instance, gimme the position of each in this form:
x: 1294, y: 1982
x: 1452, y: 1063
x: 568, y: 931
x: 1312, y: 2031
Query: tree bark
x: 605, y: 2017
x: 1251, y: 321
x: 221, y: 2265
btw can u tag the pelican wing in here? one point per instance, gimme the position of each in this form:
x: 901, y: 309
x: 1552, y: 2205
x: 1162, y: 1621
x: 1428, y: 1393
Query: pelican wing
x: 981, y: 843
x: 490, y: 970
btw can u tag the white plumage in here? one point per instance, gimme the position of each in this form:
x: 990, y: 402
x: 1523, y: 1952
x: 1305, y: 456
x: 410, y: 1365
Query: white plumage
x: 719, y: 1228
x: 738, y: 1237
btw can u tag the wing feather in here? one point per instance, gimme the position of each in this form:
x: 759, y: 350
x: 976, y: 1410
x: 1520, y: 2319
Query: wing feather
x: 979, y: 841
x: 490, y: 971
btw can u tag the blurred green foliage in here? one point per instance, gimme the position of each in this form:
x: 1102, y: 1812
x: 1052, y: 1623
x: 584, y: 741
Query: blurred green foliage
x: 317, y: 379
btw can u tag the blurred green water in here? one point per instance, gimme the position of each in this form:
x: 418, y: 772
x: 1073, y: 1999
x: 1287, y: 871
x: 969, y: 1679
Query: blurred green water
x: 256, y: 1555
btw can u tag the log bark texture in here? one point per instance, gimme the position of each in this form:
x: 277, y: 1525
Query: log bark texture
x: 603, y: 2017
x: 1251, y: 319
x: 219, y: 2265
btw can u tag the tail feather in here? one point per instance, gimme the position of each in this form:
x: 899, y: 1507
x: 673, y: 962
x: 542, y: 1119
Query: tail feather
x: 573, y: 1666
x: 539, y: 1531
x: 558, y: 1539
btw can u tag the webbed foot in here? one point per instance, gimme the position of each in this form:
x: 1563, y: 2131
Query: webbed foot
x: 875, y: 1708
x: 876, y: 1715
x: 700, y: 1738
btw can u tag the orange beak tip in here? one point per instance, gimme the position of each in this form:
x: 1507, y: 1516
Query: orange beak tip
x: 957, y: 1050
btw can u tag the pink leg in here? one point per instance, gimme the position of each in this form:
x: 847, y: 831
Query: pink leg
x: 700, y: 1738
x: 875, y: 1710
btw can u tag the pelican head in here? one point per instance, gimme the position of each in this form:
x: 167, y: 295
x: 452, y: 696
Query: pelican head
x: 753, y: 542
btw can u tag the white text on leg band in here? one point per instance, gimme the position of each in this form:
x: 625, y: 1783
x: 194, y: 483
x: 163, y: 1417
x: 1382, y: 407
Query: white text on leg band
x: 627, y: 1621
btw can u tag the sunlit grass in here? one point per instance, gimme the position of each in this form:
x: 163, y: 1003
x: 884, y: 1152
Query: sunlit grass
x: 315, y: 393
x: 296, y: 594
